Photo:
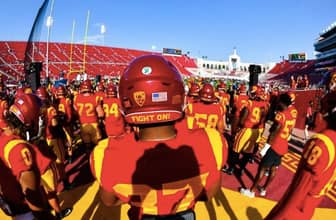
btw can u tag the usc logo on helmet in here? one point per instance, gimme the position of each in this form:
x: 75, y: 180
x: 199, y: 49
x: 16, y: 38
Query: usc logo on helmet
x: 139, y: 98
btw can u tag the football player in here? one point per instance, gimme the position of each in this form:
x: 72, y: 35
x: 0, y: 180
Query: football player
x: 193, y: 93
x: 54, y: 138
x: 251, y: 115
x: 65, y: 115
x: 100, y: 91
x: 315, y: 174
x: 113, y: 118
x: 223, y: 95
x: 159, y: 171
x: 207, y: 113
x: 21, y: 164
x: 275, y: 147
x: 85, y: 105
x: 239, y: 102
x: 53, y: 133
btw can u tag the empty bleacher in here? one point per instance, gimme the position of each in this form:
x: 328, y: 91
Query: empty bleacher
x: 99, y: 60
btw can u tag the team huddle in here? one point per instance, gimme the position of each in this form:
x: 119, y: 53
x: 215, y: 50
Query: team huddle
x: 158, y: 143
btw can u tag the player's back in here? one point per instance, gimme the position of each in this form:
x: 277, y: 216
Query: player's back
x: 200, y: 115
x: 160, y: 177
x: 85, y: 105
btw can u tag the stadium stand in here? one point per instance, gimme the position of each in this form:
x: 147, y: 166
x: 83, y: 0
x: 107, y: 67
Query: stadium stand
x: 99, y: 60
x: 284, y: 70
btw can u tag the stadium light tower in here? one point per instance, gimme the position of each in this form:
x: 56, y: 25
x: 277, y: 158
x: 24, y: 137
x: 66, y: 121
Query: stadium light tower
x: 49, y: 24
x: 103, y: 31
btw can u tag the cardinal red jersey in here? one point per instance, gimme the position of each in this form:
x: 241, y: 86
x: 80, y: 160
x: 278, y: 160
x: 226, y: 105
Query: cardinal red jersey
x: 160, y: 177
x: 18, y: 156
x: 287, y: 123
x: 293, y: 111
x: 315, y: 176
x: 200, y: 115
x: 224, y: 98
x: 64, y: 106
x: 114, y: 120
x: 15, y: 159
x: 250, y: 133
x: 266, y: 106
x: 51, y: 114
x: 256, y: 114
x: 85, y: 105
x: 240, y: 101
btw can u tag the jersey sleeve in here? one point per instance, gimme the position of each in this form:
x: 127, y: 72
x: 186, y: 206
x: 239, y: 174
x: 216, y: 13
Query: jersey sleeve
x: 222, y: 110
x: 97, y: 160
x: 68, y: 109
x: 317, y: 157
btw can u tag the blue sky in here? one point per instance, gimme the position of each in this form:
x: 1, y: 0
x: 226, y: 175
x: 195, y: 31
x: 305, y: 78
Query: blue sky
x: 261, y: 30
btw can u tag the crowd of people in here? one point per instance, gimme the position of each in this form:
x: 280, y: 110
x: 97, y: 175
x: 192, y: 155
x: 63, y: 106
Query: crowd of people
x: 301, y: 82
x: 157, y: 142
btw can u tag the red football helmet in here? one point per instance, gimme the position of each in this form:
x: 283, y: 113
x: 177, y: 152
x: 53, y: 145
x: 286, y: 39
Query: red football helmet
x: 101, y: 86
x: 221, y: 86
x: 42, y: 93
x: 151, y: 90
x: 26, y: 108
x: 86, y: 86
x: 257, y: 92
x: 194, y: 90
x: 242, y: 88
x: 61, y: 91
x: 207, y: 93
x: 111, y: 90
